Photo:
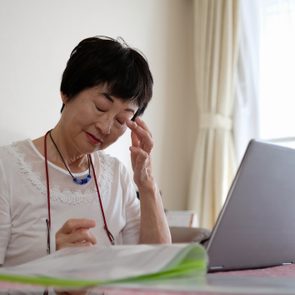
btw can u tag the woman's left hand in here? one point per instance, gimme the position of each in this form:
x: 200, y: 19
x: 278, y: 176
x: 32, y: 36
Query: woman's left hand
x: 142, y: 145
x: 153, y: 224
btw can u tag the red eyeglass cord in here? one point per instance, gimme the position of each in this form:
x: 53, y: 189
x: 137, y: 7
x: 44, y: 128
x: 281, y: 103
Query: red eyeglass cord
x: 48, y: 221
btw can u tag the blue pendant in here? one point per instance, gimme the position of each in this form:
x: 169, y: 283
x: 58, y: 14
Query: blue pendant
x: 82, y: 181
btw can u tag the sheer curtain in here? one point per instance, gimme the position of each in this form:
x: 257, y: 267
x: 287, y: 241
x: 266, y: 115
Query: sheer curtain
x: 277, y: 69
x: 246, y: 110
x: 215, y: 32
x: 264, y: 107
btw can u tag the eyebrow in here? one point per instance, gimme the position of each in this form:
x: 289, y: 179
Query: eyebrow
x: 109, y: 97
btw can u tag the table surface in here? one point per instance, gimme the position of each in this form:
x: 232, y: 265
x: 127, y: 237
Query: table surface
x: 272, y: 280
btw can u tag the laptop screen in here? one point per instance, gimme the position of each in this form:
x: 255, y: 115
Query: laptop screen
x: 255, y: 228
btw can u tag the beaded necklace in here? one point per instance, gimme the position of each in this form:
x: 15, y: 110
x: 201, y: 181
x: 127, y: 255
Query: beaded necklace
x: 77, y: 180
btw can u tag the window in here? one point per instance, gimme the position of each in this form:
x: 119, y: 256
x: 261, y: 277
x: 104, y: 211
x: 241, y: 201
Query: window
x: 276, y: 90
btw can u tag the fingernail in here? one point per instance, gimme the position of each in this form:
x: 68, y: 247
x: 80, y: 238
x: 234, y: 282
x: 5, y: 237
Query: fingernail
x: 130, y: 122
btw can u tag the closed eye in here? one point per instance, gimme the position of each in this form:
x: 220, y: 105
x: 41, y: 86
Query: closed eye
x: 121, y: 122
x: 100, y: 109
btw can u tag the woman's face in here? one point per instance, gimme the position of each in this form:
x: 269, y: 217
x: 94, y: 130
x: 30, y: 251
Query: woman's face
x: 94, y: 119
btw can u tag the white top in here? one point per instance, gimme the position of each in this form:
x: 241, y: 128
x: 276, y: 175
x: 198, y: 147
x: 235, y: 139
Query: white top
x: 23, y: 202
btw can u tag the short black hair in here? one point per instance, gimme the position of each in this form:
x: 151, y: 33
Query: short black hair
x: 99, y: 60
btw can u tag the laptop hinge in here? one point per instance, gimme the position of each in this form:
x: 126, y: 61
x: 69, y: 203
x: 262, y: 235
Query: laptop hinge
x: 216, y: 267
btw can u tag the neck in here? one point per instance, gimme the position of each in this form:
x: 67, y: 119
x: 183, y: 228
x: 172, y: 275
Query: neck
x: 60, y: 149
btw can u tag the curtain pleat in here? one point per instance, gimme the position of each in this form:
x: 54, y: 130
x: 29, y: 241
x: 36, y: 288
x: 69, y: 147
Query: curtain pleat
x: 215, y: 37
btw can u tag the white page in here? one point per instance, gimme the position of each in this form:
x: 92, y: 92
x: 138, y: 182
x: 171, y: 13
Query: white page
x: 100, y: 263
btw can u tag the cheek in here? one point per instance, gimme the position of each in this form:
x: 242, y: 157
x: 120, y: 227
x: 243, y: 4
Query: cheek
x: 118, y: 132
x: 86, y: 117
x: 115, y: 134
x: 79, y: 115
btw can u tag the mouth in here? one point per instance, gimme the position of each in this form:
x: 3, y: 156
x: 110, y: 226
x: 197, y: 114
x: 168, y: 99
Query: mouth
x: 93, y: 140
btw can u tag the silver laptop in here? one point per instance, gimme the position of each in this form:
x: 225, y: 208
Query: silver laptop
x: 256, y: 227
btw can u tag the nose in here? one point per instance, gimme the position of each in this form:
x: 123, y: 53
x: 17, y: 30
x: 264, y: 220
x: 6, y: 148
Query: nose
x: 104, y: 125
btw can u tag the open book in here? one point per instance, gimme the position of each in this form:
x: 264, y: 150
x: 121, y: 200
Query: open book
x: 95, y: 266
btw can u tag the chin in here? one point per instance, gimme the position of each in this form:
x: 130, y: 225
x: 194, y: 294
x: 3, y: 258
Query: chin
x: 99, y: 148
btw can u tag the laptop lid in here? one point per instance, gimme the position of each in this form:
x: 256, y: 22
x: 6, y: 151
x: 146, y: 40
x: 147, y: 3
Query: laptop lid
x: 256, y: 227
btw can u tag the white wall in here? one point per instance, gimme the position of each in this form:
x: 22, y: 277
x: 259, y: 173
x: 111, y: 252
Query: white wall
x: 36, y: 38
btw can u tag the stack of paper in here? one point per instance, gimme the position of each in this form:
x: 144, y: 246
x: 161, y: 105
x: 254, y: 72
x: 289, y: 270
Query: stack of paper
x: 95, y: 266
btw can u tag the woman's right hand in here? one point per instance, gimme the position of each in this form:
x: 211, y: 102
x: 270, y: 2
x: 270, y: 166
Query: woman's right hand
x: 75, y: 232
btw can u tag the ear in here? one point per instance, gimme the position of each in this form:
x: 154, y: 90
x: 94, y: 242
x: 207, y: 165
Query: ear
x: 64, y: 98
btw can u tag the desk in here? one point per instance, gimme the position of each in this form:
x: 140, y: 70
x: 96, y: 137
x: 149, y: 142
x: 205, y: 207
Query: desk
x: 274, y: 280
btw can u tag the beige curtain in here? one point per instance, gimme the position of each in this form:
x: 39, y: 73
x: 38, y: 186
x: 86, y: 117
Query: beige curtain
x: 215, y: 33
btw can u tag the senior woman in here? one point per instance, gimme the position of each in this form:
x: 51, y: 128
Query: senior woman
x: 61, y: 190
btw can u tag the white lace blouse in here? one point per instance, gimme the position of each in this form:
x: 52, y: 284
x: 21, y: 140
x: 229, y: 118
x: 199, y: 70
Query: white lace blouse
x: 23, y: 202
